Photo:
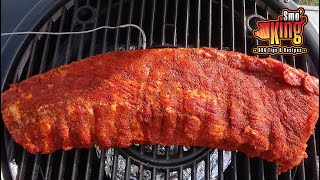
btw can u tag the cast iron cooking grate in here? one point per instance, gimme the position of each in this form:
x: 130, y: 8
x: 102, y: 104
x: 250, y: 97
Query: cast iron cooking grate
x: 178, y: 23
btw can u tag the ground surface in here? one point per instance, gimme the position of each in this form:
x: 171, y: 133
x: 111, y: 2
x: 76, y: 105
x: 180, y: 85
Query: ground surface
x: 308, y: 2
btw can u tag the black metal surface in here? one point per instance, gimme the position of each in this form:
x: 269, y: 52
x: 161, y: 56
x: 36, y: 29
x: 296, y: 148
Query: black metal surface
x: 182, y: 23
x: 11, y: 15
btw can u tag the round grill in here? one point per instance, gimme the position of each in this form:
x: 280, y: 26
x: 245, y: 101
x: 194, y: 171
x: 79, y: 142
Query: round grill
x: 175, y: 23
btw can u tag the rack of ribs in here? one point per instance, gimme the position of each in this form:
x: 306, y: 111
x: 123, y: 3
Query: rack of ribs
x: 193, y: 97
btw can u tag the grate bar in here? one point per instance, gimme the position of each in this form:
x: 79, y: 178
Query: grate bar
x: 167, y: 173
x: 141, y: 20
x: 128, y: 42
x: 167, y: 149
x: 232, y: 25
x: 8, y: 139
x: 32, y: 57
x: 194, y: 171
x: 187, y: 24
x: 141, y: 172
x: 301, y: 171
x: 17, y: 76
x: 102, y: 164
x: 75, y: 164
x: 141, y: 148
x: 281, y: 58
x: 180, y: 172
x: 198, y: 24
x: 49, y: 167
x: 22, y: 169
x: 221, y: 24
x: 163, y: 34
x: 175, y: 22
x: 152, y: 22
x: 128, y: 168
x: 220, y: 164
x: 193, y: 149
x: 62, y: 165
x: 305, y: 65
x: 261, y: 169
x: 11, y: 148
x: 287, y: 175
x: 81, y: 45
x: 94, y: 34
x: 210, y: 23
x: 36, y: 165
x: 234, y: 165
x: 118, y: 23
x: 154, y: 173
x: 294, y: 61
x: 80, y: 49
x: 207, y: 166
x: 294, y: 171
x: 154, y: 151
x: 314, y: 149
x: 244, y: 26
x: 255, y: 12
x: 247, y: 167
x: 68, y: 52
x: 88, y: 166
x: 180, y: 150
x: 274, y: 172
x: 105, y: 35
x: 115, y: 164
x: 56, y: 50
x: 233, y: 153
x: 267, y: 17
x: 45, y: 50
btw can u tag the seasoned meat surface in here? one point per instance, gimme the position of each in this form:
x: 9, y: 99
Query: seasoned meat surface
x: 193, y: 97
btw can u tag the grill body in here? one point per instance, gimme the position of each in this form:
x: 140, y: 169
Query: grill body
x: 174, y: 23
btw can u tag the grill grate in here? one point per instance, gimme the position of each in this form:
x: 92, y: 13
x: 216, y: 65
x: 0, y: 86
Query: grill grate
x: 189, y: 23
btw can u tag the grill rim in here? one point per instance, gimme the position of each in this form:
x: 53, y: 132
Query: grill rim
x: 31, y: 22
x: 13, y: 46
